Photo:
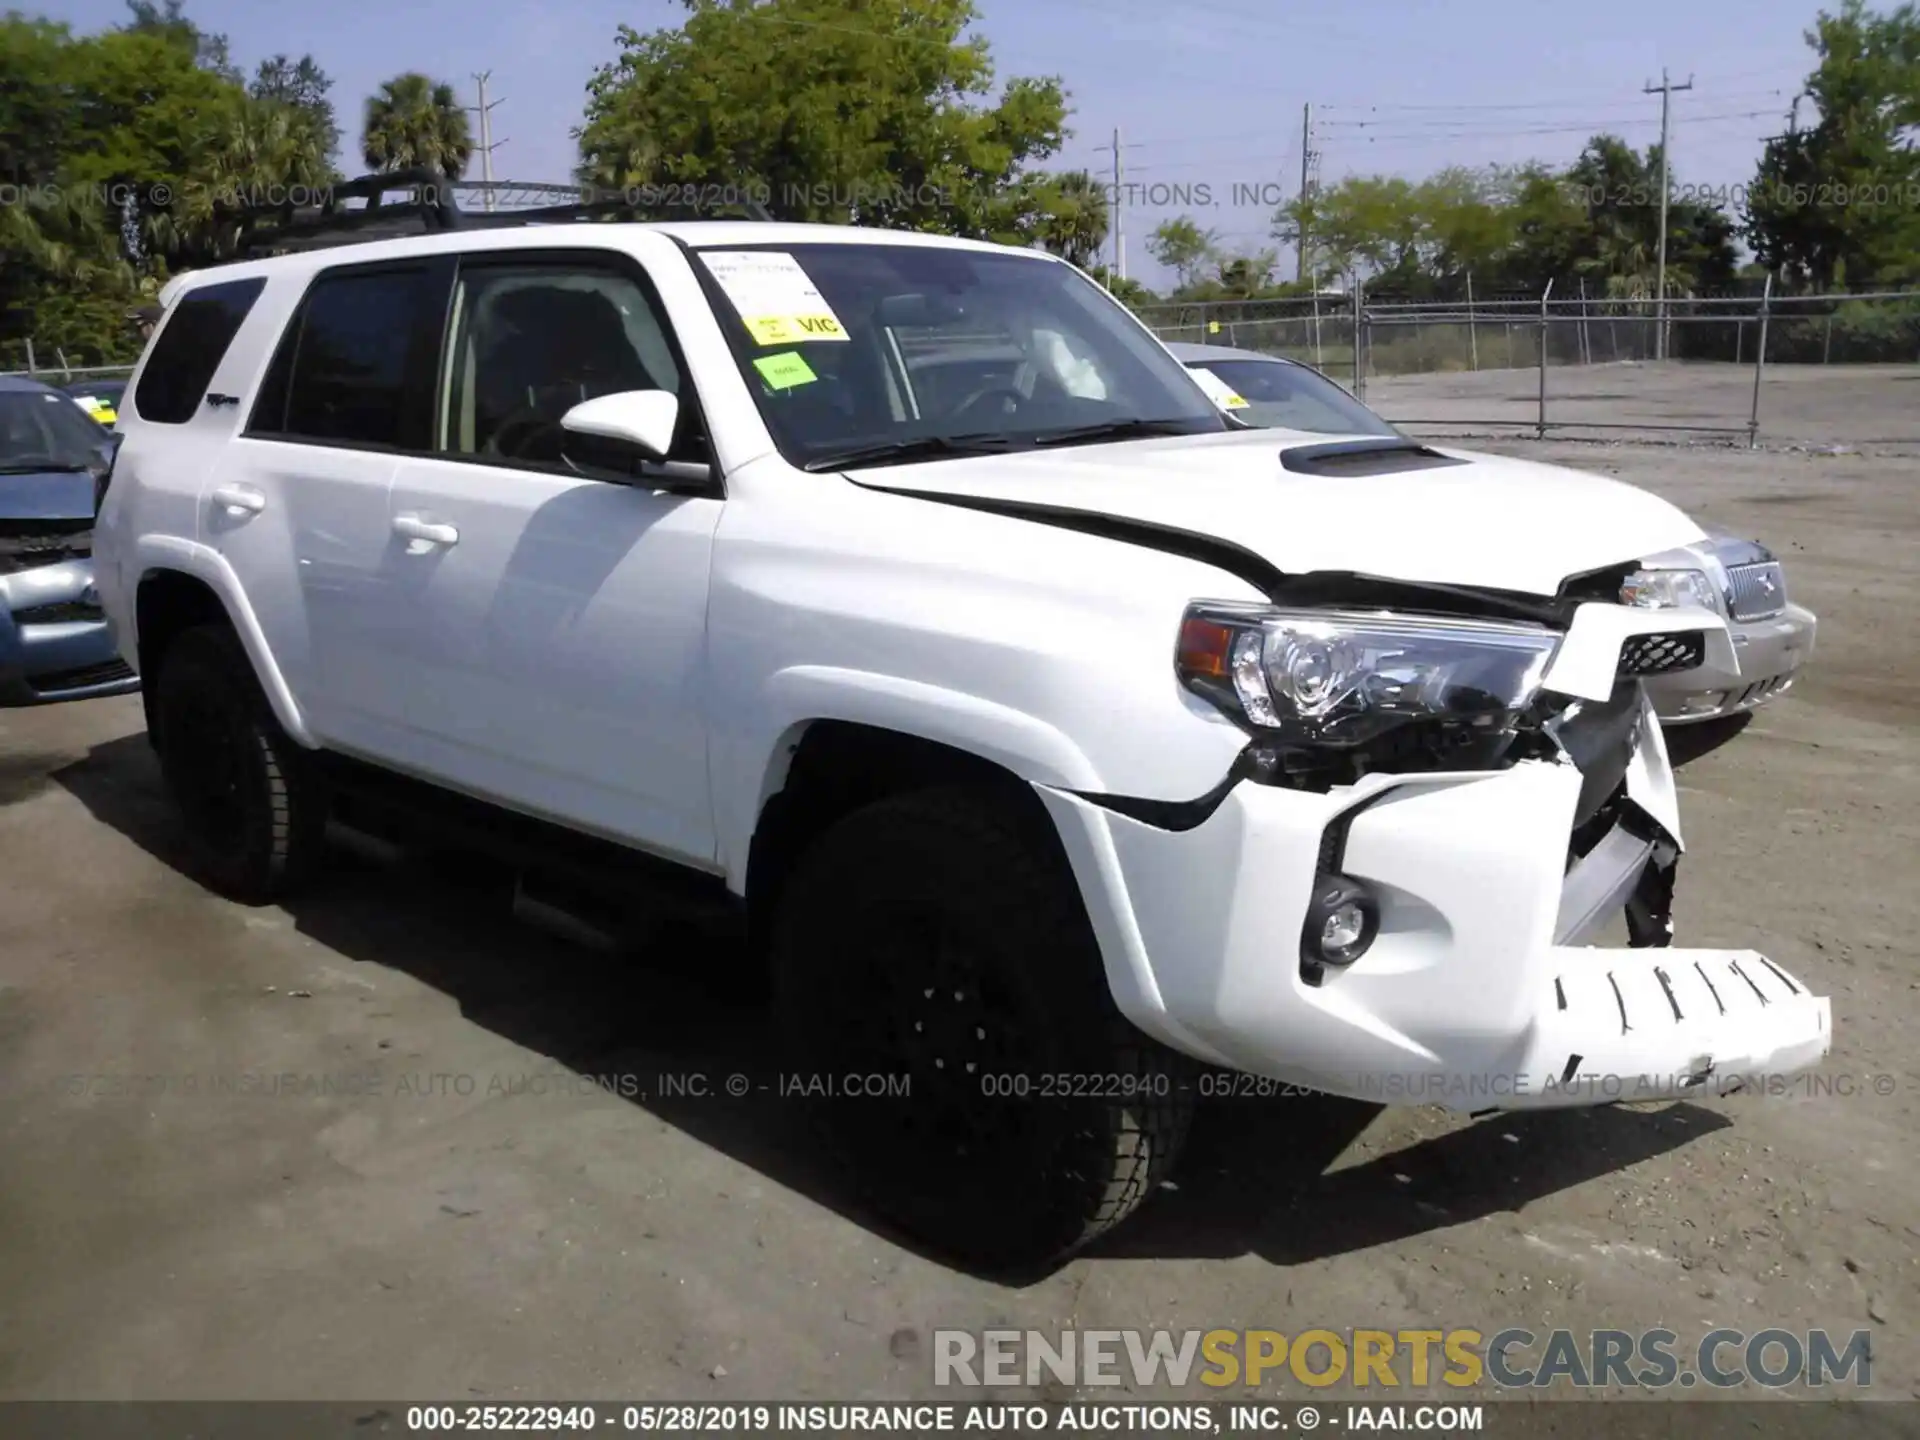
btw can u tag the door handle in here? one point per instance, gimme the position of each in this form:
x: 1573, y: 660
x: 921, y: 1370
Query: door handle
x: 240, y: 497
x: 415, y: 528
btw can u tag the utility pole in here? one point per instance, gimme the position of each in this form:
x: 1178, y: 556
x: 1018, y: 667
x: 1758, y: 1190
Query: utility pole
x: 1665, y: 88
x: 1306, y: 183
x: 1115, y: 208
x: 487, y: 143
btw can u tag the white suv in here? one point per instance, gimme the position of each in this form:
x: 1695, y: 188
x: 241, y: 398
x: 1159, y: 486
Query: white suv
x: 1070, y: 749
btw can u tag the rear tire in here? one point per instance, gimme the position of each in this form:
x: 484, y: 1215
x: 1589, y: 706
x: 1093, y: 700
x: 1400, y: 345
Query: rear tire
x: 253, y: 812
x: 940, y: 937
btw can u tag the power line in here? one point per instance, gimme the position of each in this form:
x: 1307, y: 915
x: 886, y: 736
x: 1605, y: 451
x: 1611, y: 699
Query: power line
x: 1589, y: 128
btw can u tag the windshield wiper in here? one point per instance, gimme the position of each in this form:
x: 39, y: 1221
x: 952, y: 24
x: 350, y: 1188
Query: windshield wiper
x: 921, y: 447
x: 1115, y: 430
x: 49, y: 467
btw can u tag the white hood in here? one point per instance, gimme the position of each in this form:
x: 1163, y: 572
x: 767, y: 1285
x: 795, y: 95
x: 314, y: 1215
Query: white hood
x: 1495, y: 522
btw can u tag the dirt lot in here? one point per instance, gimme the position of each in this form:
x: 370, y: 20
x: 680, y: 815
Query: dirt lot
x: 420, y: 1242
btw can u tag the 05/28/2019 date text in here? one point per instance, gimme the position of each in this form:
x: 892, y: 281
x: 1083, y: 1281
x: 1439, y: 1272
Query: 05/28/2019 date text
x: 548, y: 1419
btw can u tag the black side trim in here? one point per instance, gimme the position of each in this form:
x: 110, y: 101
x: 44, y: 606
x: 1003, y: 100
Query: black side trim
x: 1253, y: 764
x: 1359, y: 458
x: 1176, y: 815
x: 1373, y: 592
x: 372, y: 797
x: 1207, y: 549
x: 1314, y: 589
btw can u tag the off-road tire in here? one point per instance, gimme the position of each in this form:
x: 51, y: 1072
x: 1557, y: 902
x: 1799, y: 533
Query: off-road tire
x: 961, y: 905
x: 253, y: 812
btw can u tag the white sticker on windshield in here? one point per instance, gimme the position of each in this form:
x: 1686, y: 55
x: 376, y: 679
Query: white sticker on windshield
x: 1218, y: 391
x: 777, y: 302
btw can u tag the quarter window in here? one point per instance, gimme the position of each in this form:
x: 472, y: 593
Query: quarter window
x: 192, y: 342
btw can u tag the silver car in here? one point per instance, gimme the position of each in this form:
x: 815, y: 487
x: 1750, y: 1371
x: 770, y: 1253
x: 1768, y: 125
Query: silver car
x: 1772, y: 637
x: 1741, y: 579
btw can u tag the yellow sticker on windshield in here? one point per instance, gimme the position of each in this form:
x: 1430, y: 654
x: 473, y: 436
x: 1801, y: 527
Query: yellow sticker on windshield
x: 1233, y: 401
x: 783, y: 372
x: 777, y: 302
x: 793, y: 329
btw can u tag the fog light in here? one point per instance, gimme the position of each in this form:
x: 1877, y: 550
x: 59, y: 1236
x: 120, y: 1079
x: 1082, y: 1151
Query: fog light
x: 1342, y: 919
x: 1703, y: 704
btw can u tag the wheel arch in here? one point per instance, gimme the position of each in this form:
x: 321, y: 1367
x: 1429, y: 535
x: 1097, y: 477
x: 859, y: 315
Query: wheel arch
x: 182, y: 585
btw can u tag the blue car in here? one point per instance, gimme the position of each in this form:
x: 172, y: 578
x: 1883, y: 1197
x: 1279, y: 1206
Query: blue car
x: 54, y: 464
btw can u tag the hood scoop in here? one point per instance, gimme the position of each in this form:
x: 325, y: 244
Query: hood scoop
x: 1354, y: 458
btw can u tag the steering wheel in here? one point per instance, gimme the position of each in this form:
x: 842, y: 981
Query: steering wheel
x: 984, y: 394
x: 511, y: 435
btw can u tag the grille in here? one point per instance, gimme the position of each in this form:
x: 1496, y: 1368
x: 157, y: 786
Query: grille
x: 80, y: 679
x: 1756, y: 592
x: 1662, y: 654
x: 62, y: 613
x: 29, y: 544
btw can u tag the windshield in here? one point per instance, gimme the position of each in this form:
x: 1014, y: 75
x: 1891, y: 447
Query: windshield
x: 869, y: 353
x: 1292, y: 397
x: 42, y: 430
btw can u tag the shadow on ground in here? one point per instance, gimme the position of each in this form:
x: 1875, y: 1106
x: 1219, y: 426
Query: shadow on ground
x: 1256, y: 1178
x: 1688, y: 743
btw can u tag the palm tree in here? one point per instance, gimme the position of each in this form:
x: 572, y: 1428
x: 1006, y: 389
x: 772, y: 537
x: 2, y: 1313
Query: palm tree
x: 260, y: 153
x: 415, y: 121
x: 1074, y: 226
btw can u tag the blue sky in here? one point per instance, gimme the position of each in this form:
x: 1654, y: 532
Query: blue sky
x: 1205, y: 94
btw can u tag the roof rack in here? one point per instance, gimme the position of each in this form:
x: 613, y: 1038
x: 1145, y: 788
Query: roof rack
x: 430, y: 206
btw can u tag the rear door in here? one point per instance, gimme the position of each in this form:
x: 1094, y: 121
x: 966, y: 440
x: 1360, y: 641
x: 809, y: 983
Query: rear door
x: 300, y: 508
x: 551, y: 626
x: 176, y: 433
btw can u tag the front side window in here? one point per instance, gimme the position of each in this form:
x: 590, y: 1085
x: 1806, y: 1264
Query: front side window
x: 342, y: 373
x: 1292, y: 397
x: 862, y: 353
x: 191, y: 344
x: 529, y: 342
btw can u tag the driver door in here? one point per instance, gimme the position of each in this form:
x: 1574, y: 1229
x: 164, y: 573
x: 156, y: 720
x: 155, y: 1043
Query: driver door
x: 552, y: 626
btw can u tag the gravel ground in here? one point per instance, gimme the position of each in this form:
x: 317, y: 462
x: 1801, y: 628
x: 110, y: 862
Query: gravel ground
x: 1876, y: 406
x: 423, y: 1243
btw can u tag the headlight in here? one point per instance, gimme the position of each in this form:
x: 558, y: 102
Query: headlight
x: 1337, y: 679
x: 1669, y: 590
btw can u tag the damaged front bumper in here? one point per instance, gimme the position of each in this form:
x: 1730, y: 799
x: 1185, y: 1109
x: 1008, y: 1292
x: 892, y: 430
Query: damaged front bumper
x: 1481, y: 990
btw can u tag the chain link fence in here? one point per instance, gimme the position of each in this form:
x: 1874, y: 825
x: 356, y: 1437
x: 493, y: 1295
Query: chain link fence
x: 51, y: 365
x: 1830, y: 369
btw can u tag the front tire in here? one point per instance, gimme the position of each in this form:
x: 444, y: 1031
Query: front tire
x: 253, y: 813
x: 939, y: 936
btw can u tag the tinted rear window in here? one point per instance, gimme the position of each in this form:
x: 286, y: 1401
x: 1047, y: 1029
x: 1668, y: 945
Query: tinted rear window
x: 192, y: 342
x: 343, y: 374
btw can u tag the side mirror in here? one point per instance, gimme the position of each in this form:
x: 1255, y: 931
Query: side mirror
x: 641, y: 419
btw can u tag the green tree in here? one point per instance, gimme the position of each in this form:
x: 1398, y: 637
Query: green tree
x: 875, y: 113
x: 100, y: 134
x: 1070, y: 216
x: 1183, y: 247
x: 167, y: 21
x: 416, y: 121
x: 1806, y: 218
x: 302, y: 87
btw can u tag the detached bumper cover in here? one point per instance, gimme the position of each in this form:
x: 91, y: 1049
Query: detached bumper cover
x: 1476, y: 994
x: 1655, y: 1024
